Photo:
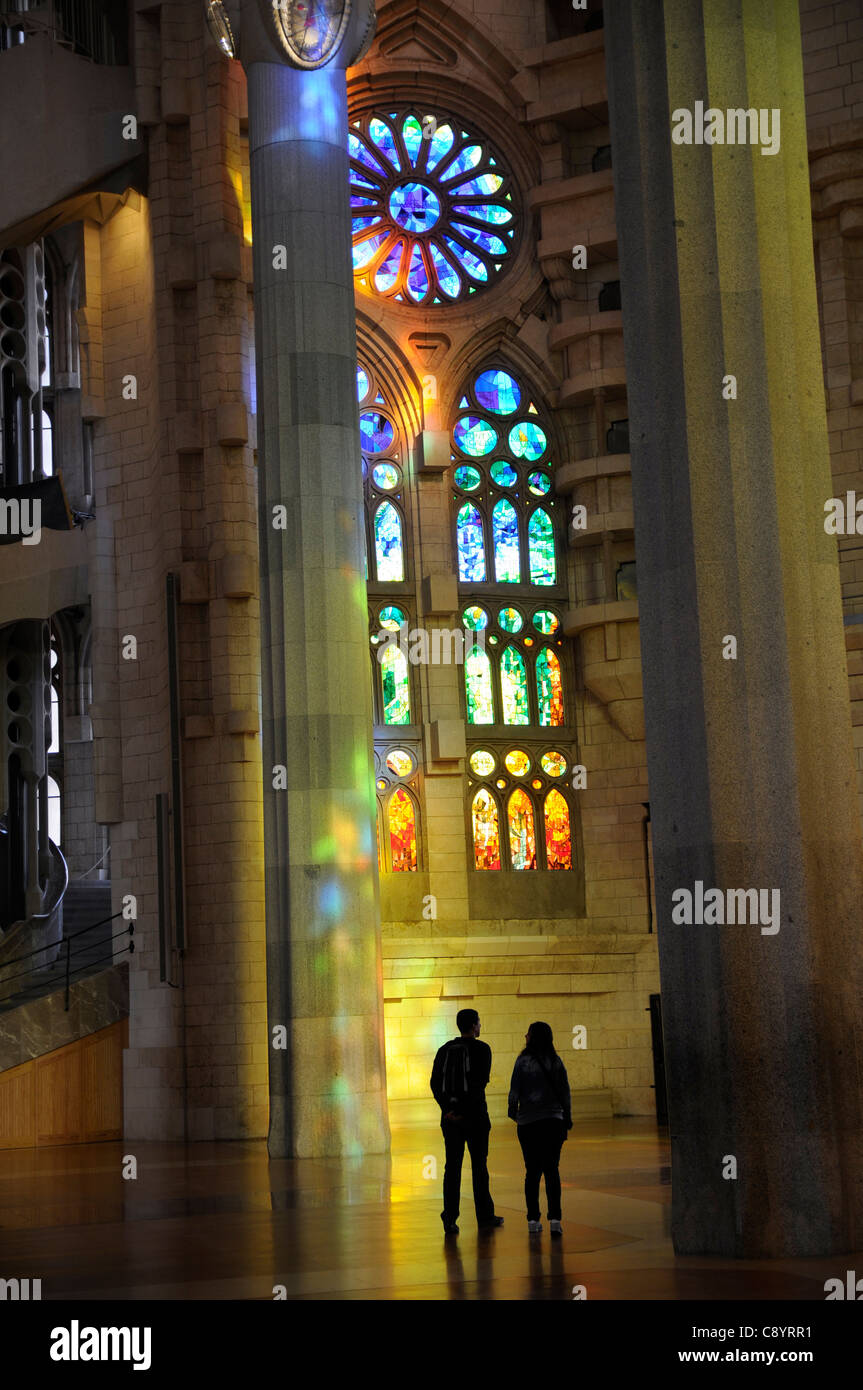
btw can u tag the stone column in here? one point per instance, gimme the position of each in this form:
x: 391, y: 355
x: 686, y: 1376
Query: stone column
x: 327, y: 1089
x: 750, y: 762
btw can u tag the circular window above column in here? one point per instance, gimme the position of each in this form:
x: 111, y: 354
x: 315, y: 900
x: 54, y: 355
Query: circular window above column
x: 435, y: 214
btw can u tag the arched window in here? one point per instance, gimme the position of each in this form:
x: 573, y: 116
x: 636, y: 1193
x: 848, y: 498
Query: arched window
x: 396, y: 686
x: 532, y: 784
x: 549, y: 689
x: 507, y: 566
x: 543, y: 568
x: 507, y: 672
x: 401, y: 815
x: 513, y: 683
x: 470, y: 545
x: 435, y: 215
x: 396, y: 780
x: 478, y: 686
x: 384, y: 483
x: 486, y: 830
x: 389, y: 626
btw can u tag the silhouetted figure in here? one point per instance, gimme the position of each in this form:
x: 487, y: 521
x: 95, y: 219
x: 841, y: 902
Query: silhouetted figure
x: 458, y: 1081
x: 541, y: 1105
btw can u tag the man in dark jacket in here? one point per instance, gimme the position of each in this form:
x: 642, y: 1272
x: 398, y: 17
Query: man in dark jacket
x: 459, y: 1077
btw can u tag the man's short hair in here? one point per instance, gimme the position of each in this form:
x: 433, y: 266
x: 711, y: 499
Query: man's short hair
x: 465, y: 1020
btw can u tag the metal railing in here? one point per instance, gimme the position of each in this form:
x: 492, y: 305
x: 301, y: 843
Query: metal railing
x: 82, y: 26
x: 71, y: 953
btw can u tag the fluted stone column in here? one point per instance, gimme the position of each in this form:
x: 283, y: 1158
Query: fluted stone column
x: 324, y: 976
x: 750, y: 760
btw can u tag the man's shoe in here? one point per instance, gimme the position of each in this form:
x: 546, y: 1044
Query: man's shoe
x: 534, y: 1227
x: 450, y: 1228
x: 556, y: 1228
x: 490, y: 1223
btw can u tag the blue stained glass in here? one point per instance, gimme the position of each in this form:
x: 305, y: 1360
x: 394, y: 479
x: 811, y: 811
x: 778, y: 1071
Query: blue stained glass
x: 412, y: 134
x: 359, y: 152
x: 475, y: 618
x: 440, y: 144
x: 392, y: 618
x: 474, y: 436
x: 414, y: 207
x: 471, y: 551
x: 468, y: 478
x: 363, y: 384
x: 385, y: 476
x: 504, y: 523
x: 357, y: 182
x: 475, y: 268
x: 385, y: 141
x: 418, y: 280
x: 504, y: 474
x: 376, y: 432
x: 366, y: 250
x: 448, y: 278
x: 527, y: 441
x: 388, y: 544
x: 485, y: 212
x: 479, y: 187
x: 388, y: 271
x: 361, y: 223
x: 486, y: 240
x: 540, y: 540
x: 498, y: 391
x: 467, y: 159
x: 539, y: 484
x: 358, y: 202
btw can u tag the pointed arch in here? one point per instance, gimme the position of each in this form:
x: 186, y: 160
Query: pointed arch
x: 540, y: 541
x: 521, y: 823
x: 485, y: 825
x: 558, y: 837
x: 470, y: 544
x: 402, y: 825
x: 505, y: 543
x: 396, y: 686
x: 513, y: 686
x: 478, y: 687
x: 389, y: 544
x: 549, y: 689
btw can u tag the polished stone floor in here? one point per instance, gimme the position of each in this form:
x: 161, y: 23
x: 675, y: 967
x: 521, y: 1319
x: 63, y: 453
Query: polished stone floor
x: 209, y: 1221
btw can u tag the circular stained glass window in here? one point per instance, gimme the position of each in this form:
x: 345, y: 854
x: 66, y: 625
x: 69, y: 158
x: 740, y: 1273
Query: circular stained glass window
x: 434, y: 213
x: 517, y: 763
x: 385, y: 476
x: 553, y: 764
x: 498, y: 392
x: 467, y: 478
x: 474, y: 436
x: 376, y: 432
x: 400, y: 763
x: 527, y: 441
x: 539, y: 484
x: 504, y: 474
x: 392, y: 618
x: 475, y: 618
x: 482, y: 763
x: 510, y: 620
x: 363, y: 384
x: 382, y: 786
x: 546, y: 622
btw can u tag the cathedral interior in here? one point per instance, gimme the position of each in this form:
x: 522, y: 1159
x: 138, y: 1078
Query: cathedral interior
x: 413, y: 576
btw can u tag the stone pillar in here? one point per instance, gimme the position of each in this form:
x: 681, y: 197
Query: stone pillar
x: 324, y: 976
x: 750, y: 762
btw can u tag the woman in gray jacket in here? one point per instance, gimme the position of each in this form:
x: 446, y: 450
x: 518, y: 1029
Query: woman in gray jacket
x: 540, y: 1103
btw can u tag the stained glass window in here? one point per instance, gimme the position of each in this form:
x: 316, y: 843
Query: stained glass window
x: 403, y: 831
x: 540, y: 538
x: 396, y: 686
x: 471, y: 550
x: 517, y: 763
x: 507, y: 567
x: 482, y: 762
x: 558, y: 843
x: 522, y: 832
x: 389, y: 550
x: 486, y: 831
x: 513, y: 683
x: 433, y: 205
x: 549, y: 688
x: 553, y: 764
x: 498, y: 392
x: 478, y: 687
x: 400, y: 763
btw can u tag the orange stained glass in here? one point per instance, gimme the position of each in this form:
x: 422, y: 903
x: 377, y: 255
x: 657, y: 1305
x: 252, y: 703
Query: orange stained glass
x: 558, y: 842
x: 486, y: 832
x: 522, y: 833
x: 403, y: 832
x: 549, y: 688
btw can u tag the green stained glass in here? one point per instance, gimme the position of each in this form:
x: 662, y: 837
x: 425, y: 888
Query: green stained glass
x: 392, y: 618
x: 504, y: 520
x: 546, y: 622
x: 468, y: 478
x: 498, y: 392
x: 510, y: 620
x: 474, y: 436
x: 513, y: 681
x: 475, y: 618
x: 478, y: 689
x: 504, y: 474
x: 539, y: 484
x: 540, y: 539
x: 388, y: 544
x: 471, y: 553
x: 527, y: 441
x: 394, y: 675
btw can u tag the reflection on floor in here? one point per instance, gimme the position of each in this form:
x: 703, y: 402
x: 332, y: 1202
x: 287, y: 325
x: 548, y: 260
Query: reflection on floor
x: 208, y: 1221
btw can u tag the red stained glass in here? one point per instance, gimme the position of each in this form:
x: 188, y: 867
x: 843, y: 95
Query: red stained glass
x: 558, y: 842
x: 549, y: 689
x: 486, y: 833
x: 403, y: 832
x: 522, y: 832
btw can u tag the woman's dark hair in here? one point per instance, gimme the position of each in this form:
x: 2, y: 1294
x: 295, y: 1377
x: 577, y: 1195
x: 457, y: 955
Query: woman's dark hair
x: 541, y: 1041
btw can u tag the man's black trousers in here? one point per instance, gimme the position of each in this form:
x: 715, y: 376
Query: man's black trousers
x: 457, y: 1133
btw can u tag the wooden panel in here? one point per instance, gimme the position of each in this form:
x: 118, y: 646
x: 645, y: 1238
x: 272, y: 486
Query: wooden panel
x: 71, y: 1096
x: 58, y: 1096
x: 17, y: 1108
